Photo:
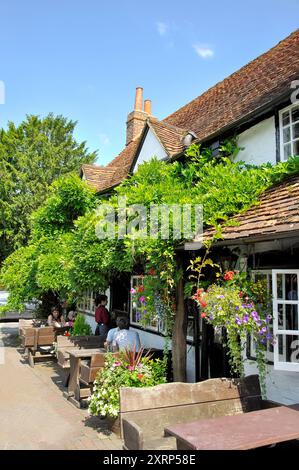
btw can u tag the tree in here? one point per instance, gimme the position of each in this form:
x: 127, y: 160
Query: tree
x: 32, y: 156
x: 42, y: 269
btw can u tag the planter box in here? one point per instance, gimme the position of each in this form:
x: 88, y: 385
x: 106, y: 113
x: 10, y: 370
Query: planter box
x: 113, y: 425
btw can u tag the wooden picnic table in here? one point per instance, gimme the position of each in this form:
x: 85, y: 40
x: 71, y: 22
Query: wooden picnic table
x: 239, y: 432
x: 75, y: 360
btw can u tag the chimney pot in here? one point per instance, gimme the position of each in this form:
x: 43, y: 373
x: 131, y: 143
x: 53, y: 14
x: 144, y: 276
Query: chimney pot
x: 148, y: 107
x: 138, y: 99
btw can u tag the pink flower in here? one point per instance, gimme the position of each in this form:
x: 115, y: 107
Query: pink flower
x: 133, y: 291
x: 116, y: 364
x: 142, y: 299
x: 131, y: 368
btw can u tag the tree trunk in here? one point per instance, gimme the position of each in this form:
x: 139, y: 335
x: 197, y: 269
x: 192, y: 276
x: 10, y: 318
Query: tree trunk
x: 179, y: 336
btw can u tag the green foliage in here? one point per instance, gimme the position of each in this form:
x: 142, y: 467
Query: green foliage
x: 65, y: 256
x: 69, y: 198
x: 81, y: 327
x: 32, y: 156
x: 119, y: 373
x: 46, y: 263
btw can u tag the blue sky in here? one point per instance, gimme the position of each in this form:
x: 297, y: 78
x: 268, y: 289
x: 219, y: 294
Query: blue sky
x: 83, y: 59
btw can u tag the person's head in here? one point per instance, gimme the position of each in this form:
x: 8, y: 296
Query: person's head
x: 122, y: 323
x: 71, y: 315
x: 55, y: 312
x: 101, y: 300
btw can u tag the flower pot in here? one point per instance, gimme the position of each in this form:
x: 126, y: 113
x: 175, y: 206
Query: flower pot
x: 113, y: 425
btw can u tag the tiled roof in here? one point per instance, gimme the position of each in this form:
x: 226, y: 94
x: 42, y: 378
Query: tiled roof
x: 171, y: 137
x: 243, y: 92
x: 277, y: 213
x: 97, y: 176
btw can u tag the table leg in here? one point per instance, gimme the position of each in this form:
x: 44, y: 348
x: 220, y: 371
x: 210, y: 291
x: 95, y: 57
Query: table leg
x: 74, y: 376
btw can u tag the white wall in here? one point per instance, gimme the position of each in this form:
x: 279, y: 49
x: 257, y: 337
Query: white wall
x: 151, y: 148
x: 259, y: 142
x: 282, y: 386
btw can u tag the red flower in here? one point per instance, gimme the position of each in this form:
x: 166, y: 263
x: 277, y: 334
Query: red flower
x: 203, y: 315
x: 140, y: 289
x: 67, y: 333
x: 229, y: 275
x: 140, y: 376
x: 152, y: 272
x: 203, y: 303
x: 241, y: 294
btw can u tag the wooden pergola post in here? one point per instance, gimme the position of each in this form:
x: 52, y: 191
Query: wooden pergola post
x: 179, y: 341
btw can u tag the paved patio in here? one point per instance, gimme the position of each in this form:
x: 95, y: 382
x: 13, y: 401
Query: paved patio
x: 33, y: 412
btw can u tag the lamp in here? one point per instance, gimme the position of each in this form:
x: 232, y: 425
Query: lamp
x: 227, y: 260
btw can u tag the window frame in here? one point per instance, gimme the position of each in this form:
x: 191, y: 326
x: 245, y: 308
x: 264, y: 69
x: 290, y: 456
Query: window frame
x: 86, y: 302
x: 154, y: 329
x: 278, y: 364
x: 281, y: 128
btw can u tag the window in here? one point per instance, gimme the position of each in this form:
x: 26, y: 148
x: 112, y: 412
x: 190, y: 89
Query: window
x: 264, y: 274
x: 285, y: 316
x: 155, y: 323
x: 86, y: 302
x: 289, y: 132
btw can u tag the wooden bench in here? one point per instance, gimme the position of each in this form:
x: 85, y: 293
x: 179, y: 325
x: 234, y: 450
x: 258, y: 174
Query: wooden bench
x: 89, y: 369
x: 23, y: 324
x: 65, y: 344
x: 35, y: 339
x: 145, y: 412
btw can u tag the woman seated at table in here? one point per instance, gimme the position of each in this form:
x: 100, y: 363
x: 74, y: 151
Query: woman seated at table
x: 56, y: 318
x: 125, y: 338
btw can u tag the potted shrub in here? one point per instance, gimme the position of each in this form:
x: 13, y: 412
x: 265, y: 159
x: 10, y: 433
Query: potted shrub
x: 130, y: 369
x: 80, y: 327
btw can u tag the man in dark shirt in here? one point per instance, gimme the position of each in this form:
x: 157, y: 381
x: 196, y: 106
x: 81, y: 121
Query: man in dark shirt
x: 102, y: 315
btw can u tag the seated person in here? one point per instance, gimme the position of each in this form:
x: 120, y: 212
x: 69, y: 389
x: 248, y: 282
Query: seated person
x: 71, y: 316
x: 125, y: 338
x: 110, y: 344
x: 55, y: 318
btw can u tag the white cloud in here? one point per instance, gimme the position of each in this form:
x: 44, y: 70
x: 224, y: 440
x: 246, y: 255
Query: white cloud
x: 204, y: 51
x: 104, y: 139
x: 162, y: 28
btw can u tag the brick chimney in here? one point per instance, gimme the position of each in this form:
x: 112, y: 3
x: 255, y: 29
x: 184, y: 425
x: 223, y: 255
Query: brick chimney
x: 136, y: 119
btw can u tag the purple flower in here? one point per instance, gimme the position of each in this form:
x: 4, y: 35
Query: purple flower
x: 246, y: 318
x: 238, y: 320
x: 255, y: 315
x: 237, y: 308
x: 212, y: 317
x: 268, y: 336
x: 142, y: 299
x: 269, y: 317
x: 264, y: 329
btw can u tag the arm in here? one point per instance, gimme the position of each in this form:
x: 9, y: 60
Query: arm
x: 50, y: 320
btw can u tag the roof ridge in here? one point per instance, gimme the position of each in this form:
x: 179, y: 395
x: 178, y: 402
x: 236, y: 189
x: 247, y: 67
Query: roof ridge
x: 167, y: 124
x: 256, y: 59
